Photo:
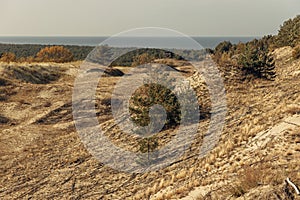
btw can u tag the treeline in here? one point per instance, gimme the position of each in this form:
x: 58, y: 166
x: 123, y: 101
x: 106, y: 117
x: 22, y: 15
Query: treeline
x: 254, y: 58
x: 251, y: 58
x: 130, y: 56
x: 100, y: 54
x: 28, y: 51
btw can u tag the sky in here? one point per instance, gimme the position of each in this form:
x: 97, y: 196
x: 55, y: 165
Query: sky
x: 109, y: 17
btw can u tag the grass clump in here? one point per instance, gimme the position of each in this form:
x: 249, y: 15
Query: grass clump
x: 34, y: 74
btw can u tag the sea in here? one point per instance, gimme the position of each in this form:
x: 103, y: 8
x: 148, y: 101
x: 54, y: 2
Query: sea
x: 205, y: 42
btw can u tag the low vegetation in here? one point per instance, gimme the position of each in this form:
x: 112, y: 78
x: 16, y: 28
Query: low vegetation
x: 149, y: 95
x: 251, y: 160
x: 289, y: 34
x: 57, y: 54
x: 254, y: 58
x: 27, y: 52
x: 296, y: 52
x: 35, y: 74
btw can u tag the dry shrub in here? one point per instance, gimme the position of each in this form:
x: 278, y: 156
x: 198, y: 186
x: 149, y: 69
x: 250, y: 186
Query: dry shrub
x: 34, y: 74
x: 58, y: 54
x: 142, y: 59
x: 249, y: 178
x: 255, y: 176
x: 30, y: 59
x: 8, y: 57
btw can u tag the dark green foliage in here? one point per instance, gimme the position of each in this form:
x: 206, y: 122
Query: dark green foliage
x: 105, y: 54
x: 148, y: 144
x: 97, y: 54
x: 27, y: 50
x: 265, y: 43
x: 148, y: 147
x: 222, y: 52
x: 153, y: 93
x: 209, y: 51
x: 149, y: 95
x: 289, y: 33
x: 252, y: 58
x: 223, y: 47
x: 130, y: 58
x: 256, y: 61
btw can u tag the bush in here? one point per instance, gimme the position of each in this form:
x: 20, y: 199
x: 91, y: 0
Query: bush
x: 223, y: 52
x: 142, y: 59
x: 296, y: 52
x: 8, y: 57
x: 149, y: 95
x: 223, y: 47
x: 58, y: 54
x: 289, y: 32
x: 256, y: 61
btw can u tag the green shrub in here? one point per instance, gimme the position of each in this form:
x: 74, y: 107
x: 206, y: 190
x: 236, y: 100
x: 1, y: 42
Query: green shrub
x: 148, y: 144
x: 289, y: 33
x: 255, y: 61
x: 223, y: 47
x: 149, y: 95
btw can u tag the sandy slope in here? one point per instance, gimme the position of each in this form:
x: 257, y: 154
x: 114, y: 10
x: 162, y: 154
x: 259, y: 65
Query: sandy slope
x: 42, y: 156
x: 254, y: 147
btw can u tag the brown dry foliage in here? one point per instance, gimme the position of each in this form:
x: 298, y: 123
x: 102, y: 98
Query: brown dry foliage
x: 58, y: 54
x: 8, y: 57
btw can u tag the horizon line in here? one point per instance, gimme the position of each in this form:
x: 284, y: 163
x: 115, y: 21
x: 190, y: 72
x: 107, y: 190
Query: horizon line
x: 131, y: 36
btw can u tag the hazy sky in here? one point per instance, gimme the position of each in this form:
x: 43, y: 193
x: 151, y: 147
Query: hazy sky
x: 109, y: 17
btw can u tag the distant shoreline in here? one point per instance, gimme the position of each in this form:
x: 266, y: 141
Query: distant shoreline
x: 206, y: 42
x: 82, y: 46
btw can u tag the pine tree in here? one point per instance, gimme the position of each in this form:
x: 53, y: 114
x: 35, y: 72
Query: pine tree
x: 257, y: 61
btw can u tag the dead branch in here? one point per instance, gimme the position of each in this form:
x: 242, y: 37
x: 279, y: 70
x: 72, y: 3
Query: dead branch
x: 293, y: 185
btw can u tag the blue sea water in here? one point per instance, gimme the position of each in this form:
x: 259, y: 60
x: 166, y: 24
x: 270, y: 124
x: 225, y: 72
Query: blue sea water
x: 206, y: 42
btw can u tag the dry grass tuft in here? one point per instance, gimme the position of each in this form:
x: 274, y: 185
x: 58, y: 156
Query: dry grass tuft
x: 35, y: 74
